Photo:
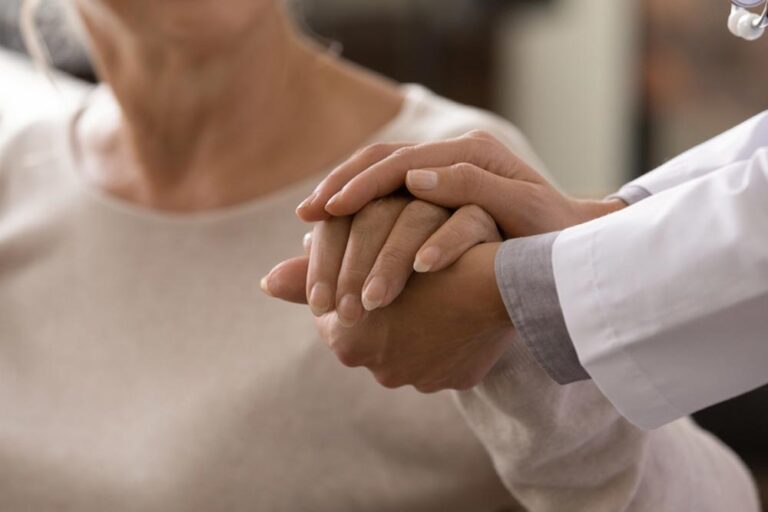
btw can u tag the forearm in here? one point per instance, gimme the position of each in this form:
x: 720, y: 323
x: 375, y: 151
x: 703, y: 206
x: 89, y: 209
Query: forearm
x: 566, y: 448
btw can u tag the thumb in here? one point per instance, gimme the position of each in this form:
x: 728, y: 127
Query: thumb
x: 466, y: 184
x: 288, y: 280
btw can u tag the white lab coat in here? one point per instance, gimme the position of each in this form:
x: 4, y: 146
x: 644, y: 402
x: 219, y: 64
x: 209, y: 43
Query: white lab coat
x: 667, y: 301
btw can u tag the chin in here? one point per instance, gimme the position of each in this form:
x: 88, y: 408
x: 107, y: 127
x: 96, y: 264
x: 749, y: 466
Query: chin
x: 188, y: 21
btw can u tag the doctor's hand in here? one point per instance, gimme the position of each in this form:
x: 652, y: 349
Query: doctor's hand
x: 445, y: 331
x: 362, y: 263
x: 474, y: 169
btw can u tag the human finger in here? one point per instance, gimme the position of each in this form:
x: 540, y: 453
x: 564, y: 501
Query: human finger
x: 329, y: 242
x: 394, y: 264
x: 312, y: 209
x: 465, y: 184
x: 287, y: 281
x: 469, y: 226
x: 368, y: 234
x: 389, y: 174
x: 353, y: 346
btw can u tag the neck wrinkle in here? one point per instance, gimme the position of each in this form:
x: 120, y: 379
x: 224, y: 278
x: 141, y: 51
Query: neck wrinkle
x: 186, y: 110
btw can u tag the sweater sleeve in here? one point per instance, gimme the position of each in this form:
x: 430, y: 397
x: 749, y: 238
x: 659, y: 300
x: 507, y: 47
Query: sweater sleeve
x: 562, y: 448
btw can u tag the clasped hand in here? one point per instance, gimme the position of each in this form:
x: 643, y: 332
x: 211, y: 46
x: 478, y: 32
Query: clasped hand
x: 446, y: 326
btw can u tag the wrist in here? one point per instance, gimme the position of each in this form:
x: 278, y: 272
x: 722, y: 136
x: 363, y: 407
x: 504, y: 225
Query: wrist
x: 591, y: 209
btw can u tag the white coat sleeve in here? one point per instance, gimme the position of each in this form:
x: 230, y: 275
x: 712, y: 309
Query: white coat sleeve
x: 667, y: 301
x: 566, y: 448
x: 735, y: 145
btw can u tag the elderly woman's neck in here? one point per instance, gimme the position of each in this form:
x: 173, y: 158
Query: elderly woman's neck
x: 199, y: 123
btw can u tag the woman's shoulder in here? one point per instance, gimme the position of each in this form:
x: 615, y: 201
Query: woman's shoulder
x: 34, y: 115
x: 33, y: 141
x: 26, y: 95
x: 33, y: 157
x: 427, y: 116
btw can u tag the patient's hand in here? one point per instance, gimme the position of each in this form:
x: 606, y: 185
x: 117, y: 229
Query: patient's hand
x: 446, y: 330
x: 474, y: 169
x: 363, y: 263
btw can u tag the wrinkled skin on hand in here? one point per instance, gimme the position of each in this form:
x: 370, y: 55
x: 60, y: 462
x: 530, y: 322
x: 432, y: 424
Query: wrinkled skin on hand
x: 445, y: 331
x: 474, y: 169
x: 449, y: 327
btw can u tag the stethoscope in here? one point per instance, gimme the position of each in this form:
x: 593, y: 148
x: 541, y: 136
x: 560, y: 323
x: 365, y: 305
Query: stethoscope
x: 745, y: 24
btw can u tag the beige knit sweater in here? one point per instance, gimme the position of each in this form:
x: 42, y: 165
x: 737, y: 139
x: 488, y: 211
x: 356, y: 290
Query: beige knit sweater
x: 142, y: 370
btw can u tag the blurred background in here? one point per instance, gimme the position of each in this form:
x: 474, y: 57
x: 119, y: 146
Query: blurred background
x: 605, y: 90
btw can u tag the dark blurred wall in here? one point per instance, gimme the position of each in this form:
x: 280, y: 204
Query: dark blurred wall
x: 447, y: 45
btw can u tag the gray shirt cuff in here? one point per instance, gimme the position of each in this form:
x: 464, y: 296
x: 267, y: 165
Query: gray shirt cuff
x: 527, y: 283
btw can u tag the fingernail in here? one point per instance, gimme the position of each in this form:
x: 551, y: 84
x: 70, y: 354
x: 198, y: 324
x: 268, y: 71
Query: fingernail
x: 304, y: 204
x: 307, y: 242
x: 374, y: 293
x: 320, y: 299
x: 349, y: 310
x: 335, y: 199
x: 421, y: 180
x: 265, y: 285
x: 427, y: 259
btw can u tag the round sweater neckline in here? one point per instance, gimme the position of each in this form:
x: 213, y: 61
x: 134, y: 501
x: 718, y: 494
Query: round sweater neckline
x: 412, y: 95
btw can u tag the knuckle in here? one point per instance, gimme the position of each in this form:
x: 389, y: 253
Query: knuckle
x: 479, y: 134
x: 376, y: 151
x: 471, y: 179
x: 427, y: 389
x: 463, y: 169
x: 453, y: 232
x: 388, y: 379
x: 347, y: 355
x: 351, y: 280
x: 349, y: 360
x: 416, y: 207
x: 479, y: 218
x: 484, y: 138
x: 475, y: 214
x: 368, y: 217
x: 404, y: 151
x: 391, y: 258
x: 484, y: 143
x: 417, y: 212
x: 376, y: 211
x: 333, y: 227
